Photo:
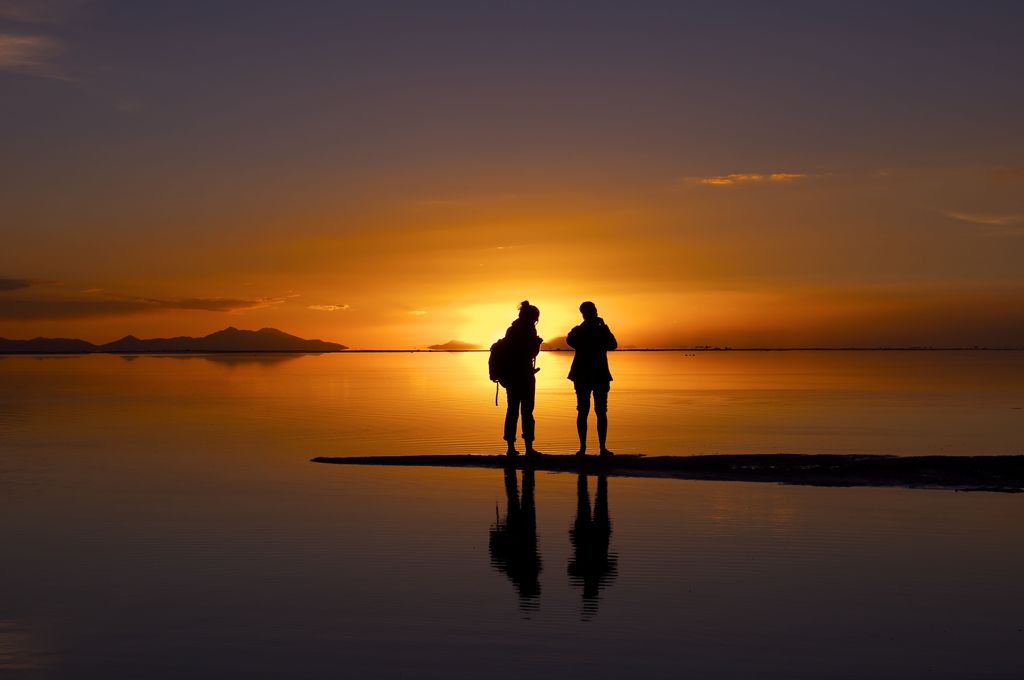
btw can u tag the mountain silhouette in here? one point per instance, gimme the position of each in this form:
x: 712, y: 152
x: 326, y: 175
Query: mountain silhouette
x: 46, y: 346
x: 558, y: 343
x: 230, y: 339
x: 455, y: 345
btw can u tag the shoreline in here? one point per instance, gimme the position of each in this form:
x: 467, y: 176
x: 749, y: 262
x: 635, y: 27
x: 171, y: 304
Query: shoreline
x: 1004, y: 474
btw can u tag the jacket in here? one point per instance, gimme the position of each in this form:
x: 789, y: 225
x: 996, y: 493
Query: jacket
x: 523, y: 348
x: 592, y: 341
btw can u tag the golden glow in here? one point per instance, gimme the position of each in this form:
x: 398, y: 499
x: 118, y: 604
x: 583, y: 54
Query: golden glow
x: 803, y: 265
x: 483, y: 324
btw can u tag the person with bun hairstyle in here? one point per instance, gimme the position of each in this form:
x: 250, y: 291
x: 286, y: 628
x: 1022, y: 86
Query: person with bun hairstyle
x: 522, y: 345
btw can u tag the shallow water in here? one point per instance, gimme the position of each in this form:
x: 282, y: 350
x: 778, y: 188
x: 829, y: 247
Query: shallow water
x: 160, y: 519
x: 904, y: 403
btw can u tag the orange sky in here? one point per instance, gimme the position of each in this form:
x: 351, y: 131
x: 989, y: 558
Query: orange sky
x: 403, y: 187
x: 807, y: 262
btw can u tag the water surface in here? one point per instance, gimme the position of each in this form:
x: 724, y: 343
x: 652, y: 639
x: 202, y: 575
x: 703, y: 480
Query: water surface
x: 160, y: 519
x: 904, y: 403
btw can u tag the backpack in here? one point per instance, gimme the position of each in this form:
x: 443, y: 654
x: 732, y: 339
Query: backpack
x: 498, y: 361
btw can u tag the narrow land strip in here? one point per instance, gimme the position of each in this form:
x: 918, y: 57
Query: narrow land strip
x: 957, y: 473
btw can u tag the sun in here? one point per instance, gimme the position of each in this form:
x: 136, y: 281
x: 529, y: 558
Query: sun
x: 483, y: 324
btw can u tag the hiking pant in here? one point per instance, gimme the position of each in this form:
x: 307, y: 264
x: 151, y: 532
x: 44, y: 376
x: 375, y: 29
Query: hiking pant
x: 521, y: 395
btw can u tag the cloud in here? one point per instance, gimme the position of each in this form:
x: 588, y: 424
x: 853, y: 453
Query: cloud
x: 20, y: 284
x: 418, y: 312
x: 217, y: 304
x: 329, y: 308
x: 28, y: 310
x: 987, y: 219
x: 35, y: 11
x: 747, y: 178
x: 31, y: 54
x: 21, y: 10
x: 15, y: 284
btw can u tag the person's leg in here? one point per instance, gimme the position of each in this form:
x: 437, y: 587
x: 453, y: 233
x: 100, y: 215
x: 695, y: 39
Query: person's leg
x: 528, y: 399
x: 511, y: 497
x: 582, y: 413
x: 601, y: 409
x: 514, y: 396
x: 529, y: 506
x: 601, y: 516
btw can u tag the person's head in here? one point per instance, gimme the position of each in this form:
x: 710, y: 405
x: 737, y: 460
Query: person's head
x: 589, y: 310
x: 528, y: 311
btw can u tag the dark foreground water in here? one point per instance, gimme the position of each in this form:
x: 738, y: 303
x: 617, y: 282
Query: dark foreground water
x: 159, y: 518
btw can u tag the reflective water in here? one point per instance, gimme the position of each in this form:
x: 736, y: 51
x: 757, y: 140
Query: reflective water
x: 160, y: 519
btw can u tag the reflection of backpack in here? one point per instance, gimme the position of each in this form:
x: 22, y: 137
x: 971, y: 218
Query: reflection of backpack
x: 497, y: 362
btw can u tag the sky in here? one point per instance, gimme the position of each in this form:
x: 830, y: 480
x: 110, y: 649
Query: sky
x: 400, y: 174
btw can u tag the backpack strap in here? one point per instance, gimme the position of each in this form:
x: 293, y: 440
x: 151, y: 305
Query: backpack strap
x: 495, y: 392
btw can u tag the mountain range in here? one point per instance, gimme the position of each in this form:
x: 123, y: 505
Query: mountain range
x: 230, y: 339
x: 558, y: 343
x: 455, y: 346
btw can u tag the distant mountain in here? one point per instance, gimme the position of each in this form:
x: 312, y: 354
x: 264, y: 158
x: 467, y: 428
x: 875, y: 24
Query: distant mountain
x: 560, y: 343
x: 455, y: 345
x: 45, y: 346
x: 228, y: 340
x: 555, y: 343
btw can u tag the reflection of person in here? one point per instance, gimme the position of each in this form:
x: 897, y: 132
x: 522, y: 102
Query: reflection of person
x: 589, y: 373
x: 522, y: 348
x: 513, y: 543
x: 591, y: 566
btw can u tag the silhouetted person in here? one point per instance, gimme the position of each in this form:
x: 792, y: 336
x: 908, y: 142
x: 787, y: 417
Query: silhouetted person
x: 513, y: 543
x: 589, y: 373
x: 590, y: 565
x: 520, y: 380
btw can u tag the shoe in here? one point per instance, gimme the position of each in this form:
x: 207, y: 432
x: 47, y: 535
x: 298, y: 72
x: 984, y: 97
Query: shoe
x: 511, y: 453
x: 605, y: 453
x: 533, y: 453
x: 581, y: 453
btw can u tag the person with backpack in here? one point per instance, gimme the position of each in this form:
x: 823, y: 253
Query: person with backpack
x: 513, y: 364
x: 589, y: 373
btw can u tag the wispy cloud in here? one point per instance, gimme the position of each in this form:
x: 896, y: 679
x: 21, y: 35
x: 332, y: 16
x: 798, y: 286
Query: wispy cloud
x: 15, y: 284
x: 329, y: 308
x: 747, y: 178
x: 30, y: 54
x: 217, y: 304
x: 27, y: 310
x: 32, y: 48
x: 418, y: 312
x: 987, y: 219
x: 36, y: 11
x: 21, y: 284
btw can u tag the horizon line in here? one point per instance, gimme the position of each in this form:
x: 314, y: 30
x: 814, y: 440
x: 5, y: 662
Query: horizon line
x: 912, y: 348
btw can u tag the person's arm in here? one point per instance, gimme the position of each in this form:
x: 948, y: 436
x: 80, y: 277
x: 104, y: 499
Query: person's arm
x: 573, y: 337
x: 610, y: 342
